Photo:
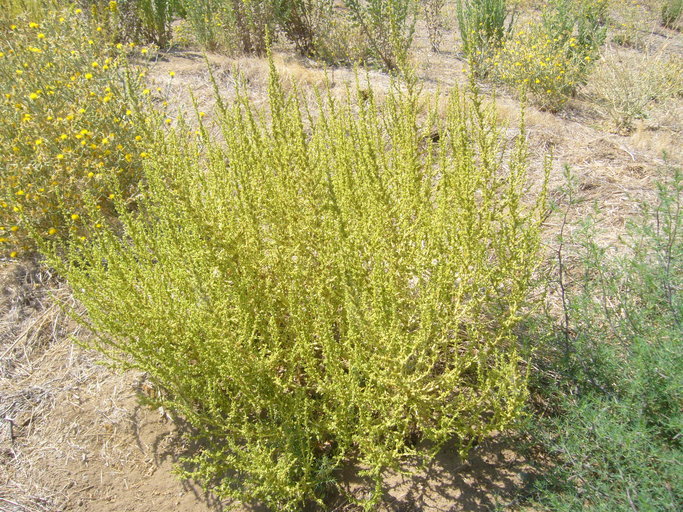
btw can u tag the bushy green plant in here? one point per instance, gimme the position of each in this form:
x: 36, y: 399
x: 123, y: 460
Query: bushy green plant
x: 482, y: 28
x: 68, y: 127
x: 231, y: 25
x: 672, y: 10
x: 139, y: 21
x: 313, y: 290
x: 35, y: 9
x: 388, y: 26
x: 617, y: 367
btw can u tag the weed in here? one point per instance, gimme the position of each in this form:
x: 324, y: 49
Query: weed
x: 617, y: 367
x: 672, y: 10
x: 314, y: 290
x: 434, y: 18
x: 482, y: 29
x: 388, y: 27
x: 628, y: 87
x: 553, y: 57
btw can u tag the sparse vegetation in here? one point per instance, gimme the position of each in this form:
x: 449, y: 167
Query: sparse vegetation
x: 434, y: 18
x: 613, y: 372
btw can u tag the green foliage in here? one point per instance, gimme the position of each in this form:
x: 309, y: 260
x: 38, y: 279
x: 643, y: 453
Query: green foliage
x: 140, y: 21
x: 34, y: 9
x: 584, y: 20
x: 302, y: 21
x: 156, y: 17
x: 232, y: 25
x: 482, y: 29
x: 68, y: 111
x: 434, y: 18
x: 316, y: 289
x: 616, y: 433
x: 672, y: 10
x: 388, y: 26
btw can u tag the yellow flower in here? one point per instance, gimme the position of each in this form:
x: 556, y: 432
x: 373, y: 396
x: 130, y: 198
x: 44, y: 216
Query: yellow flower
x: 60, y: 156
x: 14, y: 229
x: 172, y: 74
x: 52, y: 231
x: 75, y: 216
x: 33, y: 25
x: 13, y: 254
x: 41, y: 36
x: 33, y: 96
x: 88, y: 76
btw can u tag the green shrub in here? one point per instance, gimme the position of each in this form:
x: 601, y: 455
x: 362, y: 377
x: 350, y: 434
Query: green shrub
x: 34, y: 9
x: 139, y: 21
x: 313, y: 290
x: 68, y: 127
x: 671, y: 12
x: 617, y: 370
x: 232, y: 25
x: 303, y: 21
x: 240, y: 25
x: 482, y: 29
x: 388, y: 26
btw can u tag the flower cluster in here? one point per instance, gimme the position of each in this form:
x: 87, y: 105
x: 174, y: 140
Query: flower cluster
x: 69, y: 132
x: 553, y: 55
x: 550, y: 68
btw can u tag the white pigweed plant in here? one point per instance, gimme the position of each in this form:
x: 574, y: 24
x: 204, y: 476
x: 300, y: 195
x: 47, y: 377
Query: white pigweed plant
x: 321, y: 285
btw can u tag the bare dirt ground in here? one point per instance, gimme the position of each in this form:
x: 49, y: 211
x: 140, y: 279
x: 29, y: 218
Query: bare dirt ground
x: 72, y: 433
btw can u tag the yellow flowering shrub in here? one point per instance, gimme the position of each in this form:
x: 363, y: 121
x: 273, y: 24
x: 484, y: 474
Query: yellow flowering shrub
x: 545, y: 66
x: 553, y: 56
x: 68, y: 131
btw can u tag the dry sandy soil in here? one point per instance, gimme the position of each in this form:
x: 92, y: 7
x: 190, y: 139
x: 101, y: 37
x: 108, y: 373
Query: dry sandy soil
x: 72, y: 433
